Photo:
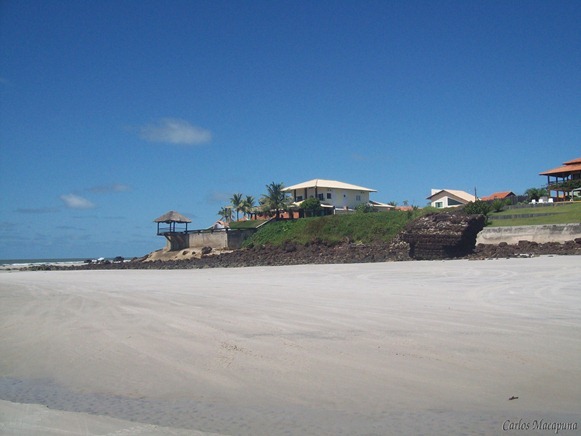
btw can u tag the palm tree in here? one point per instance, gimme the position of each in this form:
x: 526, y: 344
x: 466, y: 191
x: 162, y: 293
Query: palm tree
x: 249, y: 204
x: 535, y: 193
x: 226, y: 213
x: 275, y: 199
x: 237, y: 202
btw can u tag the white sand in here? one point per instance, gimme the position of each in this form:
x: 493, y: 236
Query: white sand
x: 389, y: 348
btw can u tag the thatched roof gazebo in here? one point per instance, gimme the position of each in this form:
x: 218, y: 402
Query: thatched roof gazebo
x: 171, y: 218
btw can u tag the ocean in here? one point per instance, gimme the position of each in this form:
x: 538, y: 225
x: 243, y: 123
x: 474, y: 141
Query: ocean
x: 55, y: 261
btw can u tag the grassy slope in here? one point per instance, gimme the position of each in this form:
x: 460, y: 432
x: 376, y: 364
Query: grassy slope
x: 251, y: 224
x: 563, y: 214
x: 382, y: 226
x: 358, y: 227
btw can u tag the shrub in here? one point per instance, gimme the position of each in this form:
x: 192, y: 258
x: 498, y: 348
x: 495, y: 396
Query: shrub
x: 364, y: 208
x: 478, y: 207
x: 498, y: 205
x: 312, y: 206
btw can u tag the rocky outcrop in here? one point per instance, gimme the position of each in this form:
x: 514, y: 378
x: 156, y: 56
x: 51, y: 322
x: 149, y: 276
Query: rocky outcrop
x: 526, y: 249
x: 442, y: 235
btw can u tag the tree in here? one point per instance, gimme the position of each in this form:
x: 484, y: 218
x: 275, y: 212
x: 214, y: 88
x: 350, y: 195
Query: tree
x: 477, y: 207
x: 226, y: 213
x: 249, y: 204
x: 364, y: 208
x: 275, y: 198
x: 497, y: 205
x: 237, y: 203
x: 535, y: 193
x: 311, y: 206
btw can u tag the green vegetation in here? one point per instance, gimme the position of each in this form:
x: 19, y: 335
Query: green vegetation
x: 237, y: 202
x: 356, y: 227
x: 364, y: 208
x: 251, y: 224
x: 559, y: 214
x: 275, y: 198
x: 498, y: 204
x: 477, y: 208
x: 312, y: 206
x: 535, y: 193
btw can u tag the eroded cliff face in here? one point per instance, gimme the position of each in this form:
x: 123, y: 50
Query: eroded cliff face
x: 441, y: 236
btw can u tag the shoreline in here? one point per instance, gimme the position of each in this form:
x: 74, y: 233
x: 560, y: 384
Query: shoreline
x: 311, y: 254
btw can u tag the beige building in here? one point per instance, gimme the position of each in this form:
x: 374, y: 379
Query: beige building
x: 331, y: 193
x: 442, y: 198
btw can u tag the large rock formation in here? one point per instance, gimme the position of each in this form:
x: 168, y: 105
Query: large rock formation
x: 442, y: 235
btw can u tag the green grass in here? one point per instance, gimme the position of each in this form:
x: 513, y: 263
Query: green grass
x: 251, y: 224
x: 560, y: 214
x: 357, y: 227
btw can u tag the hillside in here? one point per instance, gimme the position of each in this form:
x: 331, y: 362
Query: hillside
x: 358, y: 227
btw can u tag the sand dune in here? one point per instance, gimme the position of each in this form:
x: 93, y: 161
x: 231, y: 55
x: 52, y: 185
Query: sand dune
x: 387, y: 348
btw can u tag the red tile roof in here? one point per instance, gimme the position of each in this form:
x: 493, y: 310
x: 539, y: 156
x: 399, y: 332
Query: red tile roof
x: 574, y: 161
x: 567, y: 168
x: 500, y: 195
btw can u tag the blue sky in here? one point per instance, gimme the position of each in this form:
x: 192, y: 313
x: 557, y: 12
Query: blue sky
x: 114, y: 112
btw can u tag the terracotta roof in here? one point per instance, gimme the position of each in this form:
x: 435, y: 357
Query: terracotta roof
x: 460, y: 194
x: 172, y: 217
x: 565, y: 169
x: 501, y: 195
x: 573, y: 161
x: 321, y: 183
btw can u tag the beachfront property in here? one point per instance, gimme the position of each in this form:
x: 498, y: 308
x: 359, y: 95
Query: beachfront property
x: 564, y: 181
x: 442, y: 198
x: 335, y: 196
x: 178, y: 236
x: 171, y: 219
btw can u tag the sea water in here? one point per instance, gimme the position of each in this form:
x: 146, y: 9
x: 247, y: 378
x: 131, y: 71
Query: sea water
x: 23, y: 263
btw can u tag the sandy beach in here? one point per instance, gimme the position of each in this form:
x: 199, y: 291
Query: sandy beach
x: 361, y: 349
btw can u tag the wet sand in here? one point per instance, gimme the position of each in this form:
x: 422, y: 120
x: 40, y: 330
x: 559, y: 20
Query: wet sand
x: 385, y: 348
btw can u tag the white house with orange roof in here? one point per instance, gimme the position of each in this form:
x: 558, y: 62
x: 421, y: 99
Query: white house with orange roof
x: 333, y: 194
x: 442, y: 198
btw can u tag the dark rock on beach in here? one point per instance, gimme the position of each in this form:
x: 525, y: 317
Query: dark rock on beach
x: 442, y: 235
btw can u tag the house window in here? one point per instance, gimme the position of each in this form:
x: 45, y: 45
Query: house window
x: 358, y: 197
x: 321, y: 197
x: 299, y: 198
x: 328, y: 195
x: 439, y: 204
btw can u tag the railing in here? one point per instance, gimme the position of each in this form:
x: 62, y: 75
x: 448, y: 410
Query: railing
x: 168, y: 231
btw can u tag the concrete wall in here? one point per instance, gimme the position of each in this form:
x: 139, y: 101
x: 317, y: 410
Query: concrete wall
x: 231, y: 239
x: 541, y: 234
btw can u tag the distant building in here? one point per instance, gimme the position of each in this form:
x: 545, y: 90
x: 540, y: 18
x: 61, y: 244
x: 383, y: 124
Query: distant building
x: 442, y: 198
x: 331, y: 193
x: 564, y: 181
x: 503, y: 195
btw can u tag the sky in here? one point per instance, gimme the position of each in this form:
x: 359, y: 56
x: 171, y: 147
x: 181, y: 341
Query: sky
x: 114, y: 112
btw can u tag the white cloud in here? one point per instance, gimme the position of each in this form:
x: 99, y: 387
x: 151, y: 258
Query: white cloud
x: 106, y: 189
x: 174, y: 131
x: 73, y: 201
